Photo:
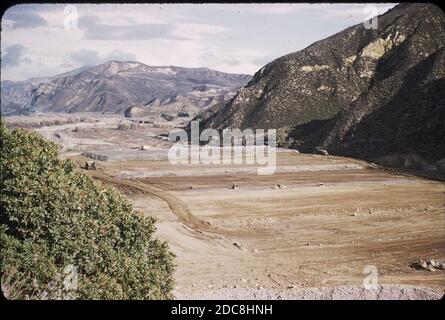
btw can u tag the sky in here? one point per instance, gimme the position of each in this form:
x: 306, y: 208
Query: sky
x: 42, y: 40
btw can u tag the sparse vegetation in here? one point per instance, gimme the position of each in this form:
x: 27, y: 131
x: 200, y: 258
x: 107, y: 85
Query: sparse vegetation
x: 54, y: 217
x: 198, y: 117
x: 123, y: 126
x: 33, y: 122
x: 167, y: 117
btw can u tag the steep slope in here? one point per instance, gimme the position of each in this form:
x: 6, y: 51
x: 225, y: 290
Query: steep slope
x: 361, y: 92
x: 403, y: 110
x: 408, y: 119
x: 115, y: 86
x: 16, y: 94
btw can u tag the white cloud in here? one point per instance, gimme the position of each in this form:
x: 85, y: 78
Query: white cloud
x: 357, y: 12
x: 270, y: 8
x: 196, y: 30
x: 13, y: 56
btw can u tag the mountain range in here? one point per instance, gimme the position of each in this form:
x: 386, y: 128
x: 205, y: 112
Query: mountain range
x: 115, y: 86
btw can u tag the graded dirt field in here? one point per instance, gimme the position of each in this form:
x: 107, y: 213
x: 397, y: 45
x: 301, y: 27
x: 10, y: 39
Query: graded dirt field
x: 334, y: 217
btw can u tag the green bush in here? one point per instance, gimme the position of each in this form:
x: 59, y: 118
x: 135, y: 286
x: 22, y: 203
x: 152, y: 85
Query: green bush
x: 54, y: 217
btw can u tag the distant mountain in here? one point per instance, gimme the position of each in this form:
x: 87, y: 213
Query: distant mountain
x: 115, y: 86
x: 361, y: 92
x: 16, y: 95
x: 200, y: 98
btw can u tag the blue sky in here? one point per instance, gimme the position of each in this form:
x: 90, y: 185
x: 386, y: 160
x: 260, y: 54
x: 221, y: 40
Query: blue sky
x: 233, y: 38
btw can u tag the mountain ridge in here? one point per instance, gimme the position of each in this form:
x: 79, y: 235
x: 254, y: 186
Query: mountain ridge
x: 325, y: 95
x: 113, y: 87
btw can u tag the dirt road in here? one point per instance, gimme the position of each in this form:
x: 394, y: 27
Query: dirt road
x: 176, y: 205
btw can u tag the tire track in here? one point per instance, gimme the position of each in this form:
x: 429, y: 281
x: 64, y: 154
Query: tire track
x: 176, y: 205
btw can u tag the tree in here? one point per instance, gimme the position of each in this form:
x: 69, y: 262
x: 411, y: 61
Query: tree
x: 64, y: 236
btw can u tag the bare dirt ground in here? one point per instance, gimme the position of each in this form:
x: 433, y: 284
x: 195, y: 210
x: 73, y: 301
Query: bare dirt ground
x: 93, y: 131
x: 321, y: 231
x: 309, y: 240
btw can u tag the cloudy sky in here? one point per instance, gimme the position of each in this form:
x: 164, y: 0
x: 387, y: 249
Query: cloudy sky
x: 45, y: 40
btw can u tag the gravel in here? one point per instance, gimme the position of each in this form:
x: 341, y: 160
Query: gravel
x: 381, y: 292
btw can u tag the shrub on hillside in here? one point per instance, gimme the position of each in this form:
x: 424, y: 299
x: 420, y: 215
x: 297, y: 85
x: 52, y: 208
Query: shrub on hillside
x: 64, y: 236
